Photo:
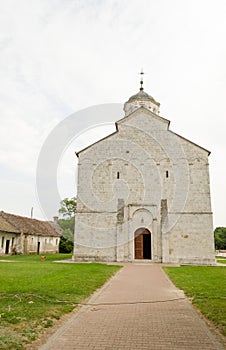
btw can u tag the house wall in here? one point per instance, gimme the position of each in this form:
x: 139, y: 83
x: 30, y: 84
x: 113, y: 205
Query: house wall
x: 42, y: 245
x: 11, y: 238
x: 28, y: 244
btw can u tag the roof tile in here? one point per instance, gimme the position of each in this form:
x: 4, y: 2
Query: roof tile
x: 16, y: 224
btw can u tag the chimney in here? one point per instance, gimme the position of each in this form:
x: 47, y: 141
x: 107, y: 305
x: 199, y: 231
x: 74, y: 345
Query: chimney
x: 55, y: 219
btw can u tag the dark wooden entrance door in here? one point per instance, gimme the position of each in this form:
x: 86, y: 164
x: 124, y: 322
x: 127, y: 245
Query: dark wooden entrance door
x: 139, y: 247
x: 142, y: 244
x: 7, y: 244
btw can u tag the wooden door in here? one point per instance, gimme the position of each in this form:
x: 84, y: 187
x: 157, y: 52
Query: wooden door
x: 139, y: 247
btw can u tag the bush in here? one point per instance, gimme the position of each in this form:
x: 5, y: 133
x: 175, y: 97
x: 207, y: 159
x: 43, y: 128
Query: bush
x: 220, y: 238
x: 66, y: 246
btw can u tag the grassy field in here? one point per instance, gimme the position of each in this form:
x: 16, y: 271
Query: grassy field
x: 206, y: 286
x: 222, y: 261
x: 34, y: 293
x: 35, y: 258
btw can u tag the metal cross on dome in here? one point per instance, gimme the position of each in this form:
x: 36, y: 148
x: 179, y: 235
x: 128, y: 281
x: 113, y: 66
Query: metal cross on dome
x: 141, y: 79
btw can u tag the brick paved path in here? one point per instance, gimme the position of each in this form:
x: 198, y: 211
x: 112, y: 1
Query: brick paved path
x: 138, y: 309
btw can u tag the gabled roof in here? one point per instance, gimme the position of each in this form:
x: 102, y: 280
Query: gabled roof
x: 147, y: 111
x: 131, y: 115
x: 94, y: 143
x: 17, y: 224
x: 191, y: 142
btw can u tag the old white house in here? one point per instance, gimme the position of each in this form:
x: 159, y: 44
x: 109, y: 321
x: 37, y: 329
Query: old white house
x: 143, y: 193
x: 23, y: 235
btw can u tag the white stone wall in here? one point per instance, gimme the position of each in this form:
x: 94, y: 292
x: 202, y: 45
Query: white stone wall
x: 28, y: 244
x: 48, y: 244
x: 4, y: 237
x: 122, y: 181
x: 191, y: 239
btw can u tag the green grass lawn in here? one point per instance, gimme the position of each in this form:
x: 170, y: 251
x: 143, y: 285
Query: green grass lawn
x: 222, y: 261
x: 206, y: 286
x: 34, y: 293
x: 35, y: 258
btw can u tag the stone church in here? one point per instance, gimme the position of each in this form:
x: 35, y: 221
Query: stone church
x: 143, y: 193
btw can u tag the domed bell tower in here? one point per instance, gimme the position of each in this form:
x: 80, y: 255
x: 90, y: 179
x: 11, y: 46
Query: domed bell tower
x: 141, y: 99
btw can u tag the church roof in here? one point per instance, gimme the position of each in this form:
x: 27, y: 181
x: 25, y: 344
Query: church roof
x: 145, y: 110
x: 16, y: 224
x: 142, y: 96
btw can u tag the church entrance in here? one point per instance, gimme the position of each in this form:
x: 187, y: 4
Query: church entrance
x: 142, y: 243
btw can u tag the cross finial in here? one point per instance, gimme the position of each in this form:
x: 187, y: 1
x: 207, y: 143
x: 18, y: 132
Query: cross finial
x: 141, y: 79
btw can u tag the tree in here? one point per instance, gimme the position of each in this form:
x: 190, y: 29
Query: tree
x: 68, y: 234
x: 68, y: 207
x: 67, y: 223
x: 220, y: 238
x: 65, y: 246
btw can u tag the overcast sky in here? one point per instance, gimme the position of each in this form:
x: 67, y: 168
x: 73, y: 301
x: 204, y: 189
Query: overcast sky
x: 60, y: 56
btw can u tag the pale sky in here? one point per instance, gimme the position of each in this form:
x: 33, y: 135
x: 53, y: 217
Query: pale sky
x: 58, y: 57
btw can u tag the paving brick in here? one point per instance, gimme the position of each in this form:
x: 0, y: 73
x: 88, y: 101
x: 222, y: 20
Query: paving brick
x: 138, y: 309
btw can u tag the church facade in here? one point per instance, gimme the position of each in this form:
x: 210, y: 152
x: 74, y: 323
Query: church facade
x: 143, y: 193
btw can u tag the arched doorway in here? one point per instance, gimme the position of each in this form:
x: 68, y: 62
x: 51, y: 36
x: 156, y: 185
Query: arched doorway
x: 142, y: 243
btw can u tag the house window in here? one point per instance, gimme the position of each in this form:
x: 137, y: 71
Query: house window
x: 167, y: 173
x: 56, y: 241
x: 12, y: 241
x: 117, y: 174
x: 3, y: 239
x: 46, y: 241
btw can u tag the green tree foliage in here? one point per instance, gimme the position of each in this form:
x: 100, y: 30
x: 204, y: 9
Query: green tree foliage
x: 67, y: 223
x: 68, y: 207
x: 220, y: 238
x: 65, y: 246
x: 68, y: 234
